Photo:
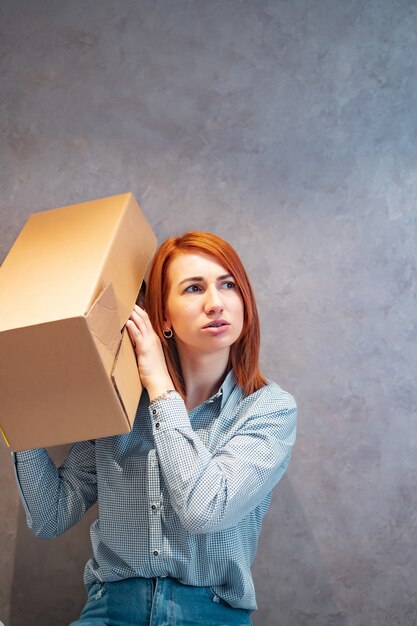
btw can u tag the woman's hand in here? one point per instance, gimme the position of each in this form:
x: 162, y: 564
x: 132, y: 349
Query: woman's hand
x: 152, y: 366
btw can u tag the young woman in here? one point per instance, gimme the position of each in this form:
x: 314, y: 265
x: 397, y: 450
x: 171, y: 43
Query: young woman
x: 182, y: 497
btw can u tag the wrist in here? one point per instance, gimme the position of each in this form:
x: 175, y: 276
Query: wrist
x: 165, y: 395
x: 155, y: 391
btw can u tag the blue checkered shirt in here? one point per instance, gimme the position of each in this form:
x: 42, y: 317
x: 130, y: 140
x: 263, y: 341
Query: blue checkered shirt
x: 182, y: 495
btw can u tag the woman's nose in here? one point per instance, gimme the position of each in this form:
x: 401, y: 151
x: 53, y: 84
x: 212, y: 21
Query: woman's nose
x: 213, y: 302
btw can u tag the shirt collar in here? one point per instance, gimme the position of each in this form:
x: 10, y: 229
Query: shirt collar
x: 225, y: 389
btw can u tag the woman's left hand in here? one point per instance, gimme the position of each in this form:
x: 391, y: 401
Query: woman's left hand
x: 152, y: 366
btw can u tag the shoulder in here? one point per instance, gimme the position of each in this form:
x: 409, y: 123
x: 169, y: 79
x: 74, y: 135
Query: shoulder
x: 270, y: 411
x: 271, y: 398
x: 269, y: 414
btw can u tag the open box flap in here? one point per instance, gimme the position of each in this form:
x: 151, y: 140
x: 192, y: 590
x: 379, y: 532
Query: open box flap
x: 104, y: 323
x: 125, y: 378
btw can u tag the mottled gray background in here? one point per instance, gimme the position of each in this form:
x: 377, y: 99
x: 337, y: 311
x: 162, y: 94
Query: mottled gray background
x: 290, y: 129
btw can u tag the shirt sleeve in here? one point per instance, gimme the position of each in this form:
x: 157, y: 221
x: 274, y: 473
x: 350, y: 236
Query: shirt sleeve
x: 211, y: 492
x: 54, y: 499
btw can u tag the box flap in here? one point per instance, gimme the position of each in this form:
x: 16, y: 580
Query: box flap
x: 125, y: 377
x: 129, y: 257
x: 103, y: 322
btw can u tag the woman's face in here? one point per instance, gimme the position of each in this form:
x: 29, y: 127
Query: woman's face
x: 204, y: 307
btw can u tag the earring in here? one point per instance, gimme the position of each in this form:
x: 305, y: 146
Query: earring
x: 167, y: 332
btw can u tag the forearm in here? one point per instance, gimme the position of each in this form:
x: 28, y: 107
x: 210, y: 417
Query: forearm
x: 197, y: 485
x: 52, y: 500
x: 212, y: 491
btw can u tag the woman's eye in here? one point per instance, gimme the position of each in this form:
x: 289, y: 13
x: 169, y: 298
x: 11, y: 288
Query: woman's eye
x: 192, y: 289
x: 229, y: 284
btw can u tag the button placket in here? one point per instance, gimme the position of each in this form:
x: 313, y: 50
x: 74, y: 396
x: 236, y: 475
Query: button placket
x: 155, y: 417
x: 155, y: 528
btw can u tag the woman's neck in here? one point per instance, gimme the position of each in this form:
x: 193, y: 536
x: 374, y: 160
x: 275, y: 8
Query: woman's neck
x: 202, y: 374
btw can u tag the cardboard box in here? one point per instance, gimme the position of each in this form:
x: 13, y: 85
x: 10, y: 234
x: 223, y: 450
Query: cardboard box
x: 68, y: 372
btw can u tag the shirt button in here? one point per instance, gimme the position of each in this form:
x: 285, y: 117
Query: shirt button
x: 154, y: 411
x: 157, y: 425
x: 156, y: 552
x: 153, y: 507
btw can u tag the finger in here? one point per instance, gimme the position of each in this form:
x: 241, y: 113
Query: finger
x: 139, y: 322
x: 141, y: 313
x: 143, y: 316
x: 133, y: 332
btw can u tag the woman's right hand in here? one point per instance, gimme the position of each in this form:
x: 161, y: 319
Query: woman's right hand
x: 152, y: 366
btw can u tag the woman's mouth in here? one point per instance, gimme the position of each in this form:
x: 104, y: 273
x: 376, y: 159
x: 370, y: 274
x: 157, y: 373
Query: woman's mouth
x: 216, y: 324
x: 216, y: 327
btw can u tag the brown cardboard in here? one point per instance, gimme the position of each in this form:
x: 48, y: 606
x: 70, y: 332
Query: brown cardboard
x: 67, y: 287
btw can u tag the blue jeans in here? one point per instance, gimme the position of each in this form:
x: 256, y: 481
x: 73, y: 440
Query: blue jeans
x: 157, y: 602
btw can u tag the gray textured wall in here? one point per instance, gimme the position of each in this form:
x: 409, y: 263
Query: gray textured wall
x: 289, y: 128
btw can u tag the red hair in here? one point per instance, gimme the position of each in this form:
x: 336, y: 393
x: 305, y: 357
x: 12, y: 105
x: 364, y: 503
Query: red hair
x: 244, y: 352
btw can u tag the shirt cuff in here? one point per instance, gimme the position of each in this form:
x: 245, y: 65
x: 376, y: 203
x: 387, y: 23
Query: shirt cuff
x: 169, y: 414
